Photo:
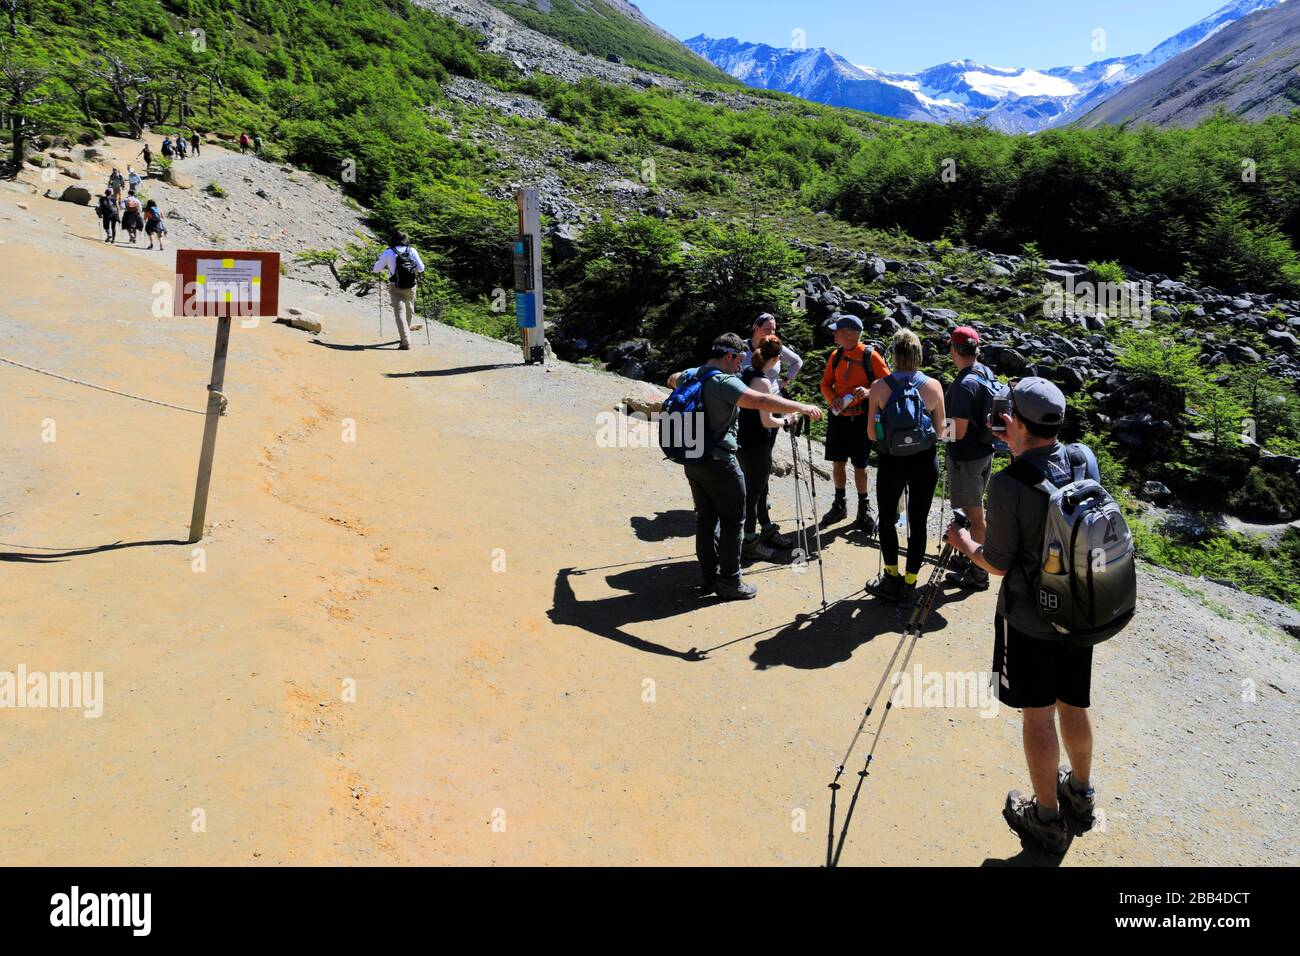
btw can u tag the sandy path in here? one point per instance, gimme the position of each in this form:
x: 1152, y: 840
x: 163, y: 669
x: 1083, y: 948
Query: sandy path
x: 486, y: 694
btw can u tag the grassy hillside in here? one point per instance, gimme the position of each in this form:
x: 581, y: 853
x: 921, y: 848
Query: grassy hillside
x: 693, y: 199
x: 595, y: 28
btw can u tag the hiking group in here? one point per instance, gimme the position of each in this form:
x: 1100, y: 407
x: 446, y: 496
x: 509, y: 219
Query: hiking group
x: 1043, y: 525
x: 114, y: 208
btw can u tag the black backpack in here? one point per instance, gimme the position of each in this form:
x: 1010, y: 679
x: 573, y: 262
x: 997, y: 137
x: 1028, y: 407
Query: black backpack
x: 107, y: 208
x: 406, y: 275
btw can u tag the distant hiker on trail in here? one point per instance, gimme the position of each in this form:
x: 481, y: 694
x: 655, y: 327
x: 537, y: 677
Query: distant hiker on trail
x: 195, y: 142
x: 711, y: 396
x: 1039, y: 670
x: 850, y: 371
x: 167, y: 148
x: 765, y: 326
x: 116, y: 184
x: 180, y: 148
x: 403, y: 267
x: 131, y: 220
x: 107, y: 211
x: 970, y: 452
x: 147, y: 153
x: 154, y: 224
x: 257, y: 145
x: 756, y: 435
x: 244, y: 143
x: 133, y: 179
x: 906, y: 408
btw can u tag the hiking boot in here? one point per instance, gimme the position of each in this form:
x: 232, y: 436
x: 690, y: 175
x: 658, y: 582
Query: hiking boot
x: 1021, y: 813
x: 405, y: 347
x: 839, y: 511
x: 1082, y: 804
x: 908, y: 596
x: 736, y: 591
x: 969, y: 578
x: 773, y: 538
x: 864, y: 521
x: 756, y: 550
x: 887, y: 587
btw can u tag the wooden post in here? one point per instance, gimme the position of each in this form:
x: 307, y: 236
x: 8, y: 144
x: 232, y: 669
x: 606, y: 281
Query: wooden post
x: 215, y: 399
x: 530, y: 224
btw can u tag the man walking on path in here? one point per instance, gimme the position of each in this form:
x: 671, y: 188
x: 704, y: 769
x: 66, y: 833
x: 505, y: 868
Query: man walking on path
x: 1035, y: 670
x: 195, y: 143
x: 402, y: 264
x: 970, y: 451
x: 147, y: 153
x: 717, y: 482
x: 850, y: 371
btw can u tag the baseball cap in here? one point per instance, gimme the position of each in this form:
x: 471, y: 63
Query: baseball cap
x: 843, y: 321
x: 1039, y: 401
x: 964, y: 335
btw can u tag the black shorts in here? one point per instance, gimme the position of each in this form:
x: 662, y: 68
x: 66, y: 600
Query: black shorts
x: 846, y: 440
x: 1037, y: 672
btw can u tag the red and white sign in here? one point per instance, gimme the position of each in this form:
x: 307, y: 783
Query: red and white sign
x: 219, y: 284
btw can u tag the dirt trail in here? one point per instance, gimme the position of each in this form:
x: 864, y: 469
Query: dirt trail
x: 513, y: 605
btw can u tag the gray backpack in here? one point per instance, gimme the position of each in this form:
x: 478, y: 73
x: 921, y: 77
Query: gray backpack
x: 1086, y: 580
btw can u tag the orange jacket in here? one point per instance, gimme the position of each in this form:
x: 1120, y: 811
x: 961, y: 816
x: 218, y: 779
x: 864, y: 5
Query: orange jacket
x: 849, y: 373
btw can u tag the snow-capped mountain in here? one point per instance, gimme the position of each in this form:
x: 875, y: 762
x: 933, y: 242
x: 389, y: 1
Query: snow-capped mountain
x: 1010, y: 99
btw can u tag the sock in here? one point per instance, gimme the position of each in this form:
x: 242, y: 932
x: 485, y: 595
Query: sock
x: 909, y: 578
x: 862, y: 498
x: 1079, y: 786
x: 751, y: 537
x: 1045, y: 815
x: 891, y: 570
x: 839, y: 494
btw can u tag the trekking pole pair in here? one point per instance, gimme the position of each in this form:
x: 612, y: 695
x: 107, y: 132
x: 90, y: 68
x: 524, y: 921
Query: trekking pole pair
x: 806, y: 426
x: 911, y: 633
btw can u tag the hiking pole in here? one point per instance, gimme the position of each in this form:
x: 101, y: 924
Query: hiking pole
x: 915, y: 625
x: 817, y: 528
x: 801, y: 535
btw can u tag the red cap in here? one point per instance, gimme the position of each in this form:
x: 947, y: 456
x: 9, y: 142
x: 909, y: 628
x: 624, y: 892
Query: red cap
x: 964, y: 335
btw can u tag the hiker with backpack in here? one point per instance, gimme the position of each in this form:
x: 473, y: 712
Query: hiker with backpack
x: 133, y: 179
x: 850, y: 371
x: 147, y: 153
x: 1064, y: 553
x: 154, y: 225
x: 244, y: 143
x: 904, y: 407
x: 107, y: 211
x: 180, y: 147
x: 131, y: 219
x: 763, y: 328
x: 195, y: 142
x: 698, y: 429
x: 756, y: 435
x: 167, y: 149
x: 970, y: 445
x: 116, y: 183
x: 403, y: 266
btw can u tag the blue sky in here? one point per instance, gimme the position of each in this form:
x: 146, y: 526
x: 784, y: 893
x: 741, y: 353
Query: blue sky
x: 910, y: 35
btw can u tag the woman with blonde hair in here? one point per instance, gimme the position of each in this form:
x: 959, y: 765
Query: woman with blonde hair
x: 904, y: 410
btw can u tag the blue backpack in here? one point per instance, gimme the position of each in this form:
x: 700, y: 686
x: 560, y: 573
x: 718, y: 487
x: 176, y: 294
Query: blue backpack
x: 907, y: 425
x: 683, y: 428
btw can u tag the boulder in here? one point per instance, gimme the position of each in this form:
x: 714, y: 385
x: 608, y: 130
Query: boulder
x: 77, y: 194
x: 301, y: 322
x: 1004, y: 359
x: 1156, y: 491
x: 177, y: 179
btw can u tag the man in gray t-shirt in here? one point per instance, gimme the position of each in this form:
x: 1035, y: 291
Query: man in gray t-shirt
x: 1035, y: 671
x: 717, y: 482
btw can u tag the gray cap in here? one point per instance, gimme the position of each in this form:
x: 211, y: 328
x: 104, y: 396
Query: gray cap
x: 845, y: 321
x: 1039, y: 401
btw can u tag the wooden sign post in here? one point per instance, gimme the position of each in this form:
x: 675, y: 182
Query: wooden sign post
x: 222, y: 285
x: 530, y: 312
